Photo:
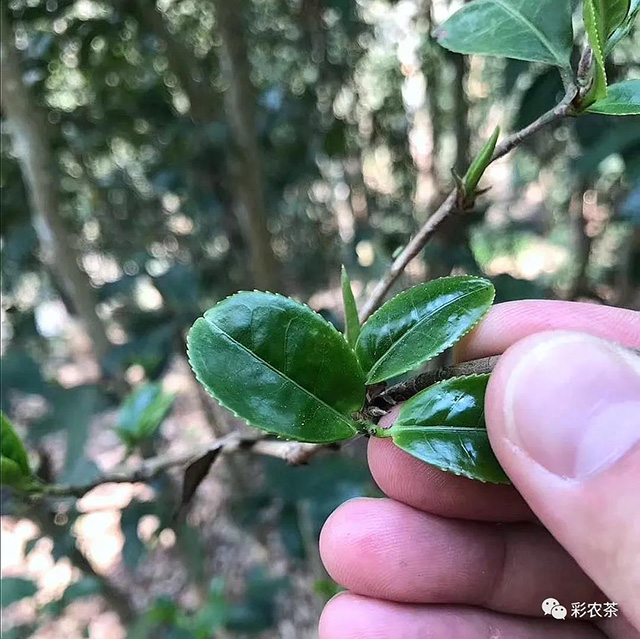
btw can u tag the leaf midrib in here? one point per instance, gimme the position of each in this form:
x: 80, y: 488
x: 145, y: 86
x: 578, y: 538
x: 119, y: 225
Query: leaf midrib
x: 417, y: 325
x: 612, y: 104
x: 540, y: 35
x: 400, y: 430
x: 342, y: 417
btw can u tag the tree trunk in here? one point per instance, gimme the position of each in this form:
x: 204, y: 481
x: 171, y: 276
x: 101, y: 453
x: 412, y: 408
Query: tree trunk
x: 39, y: 168
x: 240, y: 104
x: 246, y: 170
x: 461, y: 112
x: 454, y: 233
x: 182, y: 62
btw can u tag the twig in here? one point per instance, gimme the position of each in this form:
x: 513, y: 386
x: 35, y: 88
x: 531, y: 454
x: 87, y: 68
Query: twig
x: 560, y: 111
x: 300, y: 453
x: 403, y: 391
x: 450, y: 205
x: 410, y: 251
x: 406, y: 390
x: 293, y: 453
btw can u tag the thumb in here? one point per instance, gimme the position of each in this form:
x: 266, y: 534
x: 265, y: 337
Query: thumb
x: 563, y: 414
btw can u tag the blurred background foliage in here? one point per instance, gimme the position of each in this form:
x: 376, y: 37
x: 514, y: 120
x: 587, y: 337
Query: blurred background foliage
x: 175, y: 151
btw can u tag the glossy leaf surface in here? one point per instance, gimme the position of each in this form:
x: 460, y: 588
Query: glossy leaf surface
x: 279, y: 366
x: 142, y: 413
x: 420, y: 323
x: 599, y: 22
x: 622, y: 98
x: 624, y: 29
x: 614, y: 14
x: 14, y: 462
x: 352, y: 323
x: 480, y: 164
x: 444, y: 426
x: 537, y: 31
x: 601, y: 19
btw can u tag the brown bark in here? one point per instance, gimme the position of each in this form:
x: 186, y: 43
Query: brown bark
x: 246, y: 168
x: 461, y: 111
x: 240, y: 106
x: 31, y: 144
x: 182, y: 62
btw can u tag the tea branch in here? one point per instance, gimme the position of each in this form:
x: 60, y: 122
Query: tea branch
x: 451, y: 204
x: 295, y: 453
x: 379, y: 403
x: 403, y: 391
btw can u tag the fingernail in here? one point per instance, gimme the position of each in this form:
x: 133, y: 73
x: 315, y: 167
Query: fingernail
x: 572, y: 403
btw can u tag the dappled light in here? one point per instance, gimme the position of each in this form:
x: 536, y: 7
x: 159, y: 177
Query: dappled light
x: 158, y: 156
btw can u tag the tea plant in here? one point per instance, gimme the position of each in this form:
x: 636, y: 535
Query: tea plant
x: 281, y: 367
x: 276, y: 364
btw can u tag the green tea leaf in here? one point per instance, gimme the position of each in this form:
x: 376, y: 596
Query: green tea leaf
x: 480, y: 164
x: 14, y: 462
x: 625, y: 28
x: 601, y: 19
x: 537, y: 31
x: 279, y: 366
x: 594, y: 24
x: 420, y: 323
x: 142, y: 413
x: 614, y: 14
x: 10, y: 473
x: 444, y: 426
x: 352, y: 323
x: 622, y: 98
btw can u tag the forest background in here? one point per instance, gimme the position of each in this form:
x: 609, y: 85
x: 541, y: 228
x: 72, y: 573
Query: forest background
x: 159, y: 156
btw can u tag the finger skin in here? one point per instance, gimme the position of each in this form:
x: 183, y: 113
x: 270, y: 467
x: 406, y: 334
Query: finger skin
x: 408, y: 480
x: 508, y: 323
x: 412, y: 482
x: 597, y: 518
x: 350, y: 616
x: 380, y: 548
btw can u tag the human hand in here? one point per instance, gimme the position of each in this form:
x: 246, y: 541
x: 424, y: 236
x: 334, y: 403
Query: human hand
x: 448, y: 558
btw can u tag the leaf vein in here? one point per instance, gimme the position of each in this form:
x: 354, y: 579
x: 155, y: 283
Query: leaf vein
x: 539, y: 34
x: 285, y: 378
x: 416, y: 326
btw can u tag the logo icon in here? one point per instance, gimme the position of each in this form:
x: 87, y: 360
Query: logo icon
x: 552, y: 607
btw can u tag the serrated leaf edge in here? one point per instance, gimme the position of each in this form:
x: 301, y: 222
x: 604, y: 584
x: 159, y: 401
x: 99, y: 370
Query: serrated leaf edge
x: 446, y: 346
x: 591, y: 109
x: 600, y: 61
x: 440, y: 33
x: 347, y: 418
x: 284, y: 297
x: 351, y: 327
x: 444, y: 467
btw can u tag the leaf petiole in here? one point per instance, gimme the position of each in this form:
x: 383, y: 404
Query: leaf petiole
x: 370, y: 429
